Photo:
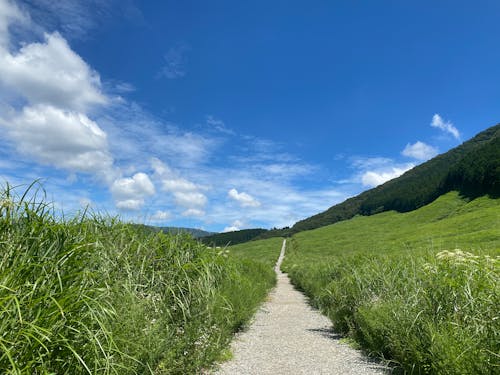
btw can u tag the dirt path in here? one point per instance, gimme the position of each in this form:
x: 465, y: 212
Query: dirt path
x: 289, y: 337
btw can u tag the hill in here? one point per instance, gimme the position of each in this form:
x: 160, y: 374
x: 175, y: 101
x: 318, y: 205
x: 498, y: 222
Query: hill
x: 473, y: 169
x: 196, y: 233
x: 419, y: 288
x: 232, y: 238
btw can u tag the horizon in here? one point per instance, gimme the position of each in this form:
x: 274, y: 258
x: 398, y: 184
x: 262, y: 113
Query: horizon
x: 231, y: 116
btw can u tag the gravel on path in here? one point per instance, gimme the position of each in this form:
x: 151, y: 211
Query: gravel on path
x: 289, y: 337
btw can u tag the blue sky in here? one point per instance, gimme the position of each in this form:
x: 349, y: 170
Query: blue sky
x: 226, y: 115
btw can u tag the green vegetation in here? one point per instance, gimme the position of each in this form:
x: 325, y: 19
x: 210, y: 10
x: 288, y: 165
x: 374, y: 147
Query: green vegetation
x: 264, y: 251
x: 232, y: 238
x: 90, y: 295
x: 396, y: 283
x: 472, y: 168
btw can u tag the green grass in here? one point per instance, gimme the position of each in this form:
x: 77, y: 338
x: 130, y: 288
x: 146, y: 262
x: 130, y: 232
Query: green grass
x: 395, y: 283
x: 91, y: 295
x: 265, y: 251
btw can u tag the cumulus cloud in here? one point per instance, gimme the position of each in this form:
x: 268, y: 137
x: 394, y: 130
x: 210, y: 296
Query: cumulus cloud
x: 244, y: 199
x: 236, y: 225
x: 375, y: 171
x: 64, y: 139
x: 446, y: 126
x: 420, y: 151
x: 51, y: 73
x: 56, y: 88
x: 375, y: 178
x: 130, y: 192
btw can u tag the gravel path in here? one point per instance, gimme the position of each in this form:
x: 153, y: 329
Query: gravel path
x: 289, y: 337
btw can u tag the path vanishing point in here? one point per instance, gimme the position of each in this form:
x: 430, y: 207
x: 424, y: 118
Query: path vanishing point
x: 288, y: 336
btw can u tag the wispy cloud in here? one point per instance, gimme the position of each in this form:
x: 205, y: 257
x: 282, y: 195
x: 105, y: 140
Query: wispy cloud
x: 76, y: 19
x: 446, y: 126
x: 218, y: 125
x: 420, y: 151
x: 174, y: 62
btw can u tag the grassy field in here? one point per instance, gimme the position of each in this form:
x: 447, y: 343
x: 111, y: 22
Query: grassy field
x: 420, y: 289
x: 265, y: 251
x: 91, y: 295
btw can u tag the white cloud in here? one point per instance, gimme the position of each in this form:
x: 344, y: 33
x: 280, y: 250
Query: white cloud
x: 446, y: 126
x: 193, y: 212
x: 64, y: 139
x: 376, y: 170
x: 420, y: 150
x: 178, y: 184
x: 129, y: 192
x: 161, y: 216
x: 244, y: 199
x: 191, y: 199
x: 130, y: 204
x: 236, y: 225
x: 186, y: 193
x: 375, y: 178
x: 57, y: 87
x: 51, y: 73
x: 9, y: 13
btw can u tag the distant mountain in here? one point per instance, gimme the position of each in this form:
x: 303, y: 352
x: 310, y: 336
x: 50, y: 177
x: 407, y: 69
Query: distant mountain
x: 196, y: 233
x: 232, y: 238
x: 473, y: 169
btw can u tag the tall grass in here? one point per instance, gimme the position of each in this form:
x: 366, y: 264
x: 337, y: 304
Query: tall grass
x: 91, y: 295
x: 397, y: 284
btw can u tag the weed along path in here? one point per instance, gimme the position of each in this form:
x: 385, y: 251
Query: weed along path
x: 289, y: 337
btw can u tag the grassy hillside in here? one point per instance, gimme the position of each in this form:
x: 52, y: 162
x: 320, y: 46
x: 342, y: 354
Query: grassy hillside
x: 266, y: 251
x: 472, y: 168
x: 420, y: 288
x: 93, y: 295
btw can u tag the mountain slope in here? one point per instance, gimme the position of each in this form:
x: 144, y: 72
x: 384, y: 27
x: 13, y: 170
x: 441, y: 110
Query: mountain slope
x: 473, y: 169
x: 196, y: 233
x: 232, y: 238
